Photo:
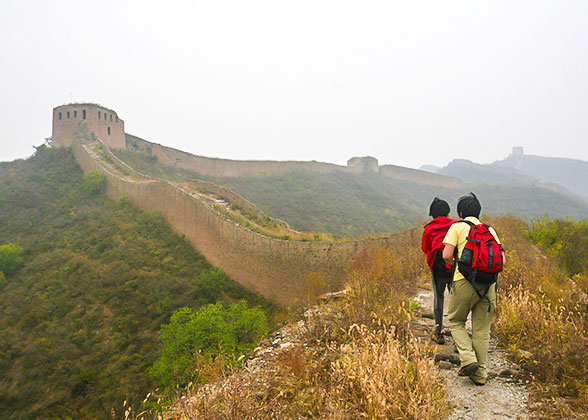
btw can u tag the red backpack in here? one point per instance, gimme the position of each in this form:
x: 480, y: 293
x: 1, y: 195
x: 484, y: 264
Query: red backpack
x: 481, y: 259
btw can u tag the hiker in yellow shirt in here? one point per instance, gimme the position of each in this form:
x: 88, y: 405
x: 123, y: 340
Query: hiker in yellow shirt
x: 463, y: 299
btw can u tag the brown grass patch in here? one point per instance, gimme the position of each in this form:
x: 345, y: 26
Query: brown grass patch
x: 354, y: 358
x: 542, y: 319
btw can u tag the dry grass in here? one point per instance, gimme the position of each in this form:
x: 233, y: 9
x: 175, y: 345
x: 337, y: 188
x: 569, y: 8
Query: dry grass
x: 542, y: 319
x: 353, y: 359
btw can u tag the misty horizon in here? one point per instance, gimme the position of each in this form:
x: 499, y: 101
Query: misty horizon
x: 409, y: 84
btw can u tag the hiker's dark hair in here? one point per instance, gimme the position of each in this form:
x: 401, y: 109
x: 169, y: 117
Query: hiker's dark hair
x: 439, y: 208
x: 469, y: 205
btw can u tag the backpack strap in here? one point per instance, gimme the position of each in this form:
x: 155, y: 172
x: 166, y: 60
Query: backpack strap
x: 483, y: 290
x: 454, y: 266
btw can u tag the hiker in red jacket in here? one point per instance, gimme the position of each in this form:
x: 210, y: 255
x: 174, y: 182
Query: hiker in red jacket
x: 432, y: 246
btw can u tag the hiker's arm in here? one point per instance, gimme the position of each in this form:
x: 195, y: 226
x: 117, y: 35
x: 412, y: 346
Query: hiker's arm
x: 448, y: 253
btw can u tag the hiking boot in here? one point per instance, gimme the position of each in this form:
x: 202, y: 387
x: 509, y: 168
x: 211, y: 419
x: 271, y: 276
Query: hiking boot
x: 468, y: 370
x: 438, y: 338
x: 477, y: 383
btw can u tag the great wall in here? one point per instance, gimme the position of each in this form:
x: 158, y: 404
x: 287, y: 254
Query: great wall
x: 276, y: 268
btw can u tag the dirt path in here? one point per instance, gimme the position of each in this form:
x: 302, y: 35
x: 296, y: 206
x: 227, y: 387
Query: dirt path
x: 503, y: 397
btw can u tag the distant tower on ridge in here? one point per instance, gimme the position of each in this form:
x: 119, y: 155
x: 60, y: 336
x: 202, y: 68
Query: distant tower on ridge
x: 517, y: 151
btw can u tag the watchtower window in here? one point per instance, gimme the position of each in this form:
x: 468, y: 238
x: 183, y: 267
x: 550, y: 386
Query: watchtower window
x: 117, y: 118
x: 111, y: 117
x: 68, y: 115
x: 98, y: 114
x: 60, y: 115
x: 75, y: 114
x: 109, y: 131
x: 84, y: 114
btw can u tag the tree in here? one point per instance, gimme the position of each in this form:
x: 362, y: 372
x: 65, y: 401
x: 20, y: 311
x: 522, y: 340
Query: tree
x: 11, y: 258
x: 93, y: 182
x: 212, y: 283
x: 212, y: 331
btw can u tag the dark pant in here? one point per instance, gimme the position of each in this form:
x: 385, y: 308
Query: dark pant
x: 439, y: 285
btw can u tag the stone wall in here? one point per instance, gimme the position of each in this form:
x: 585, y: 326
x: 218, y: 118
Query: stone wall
x: 226, y: 168
x: 420, y: 177
x: 275, y: 268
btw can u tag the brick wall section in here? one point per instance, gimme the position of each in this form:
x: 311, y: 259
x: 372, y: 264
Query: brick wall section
x: 207, y: 188
x: 420, y: 177
x: 275, y: 268
x: 225, y: 168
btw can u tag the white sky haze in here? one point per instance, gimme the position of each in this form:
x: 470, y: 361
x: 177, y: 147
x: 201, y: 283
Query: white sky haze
x: 408, y: 82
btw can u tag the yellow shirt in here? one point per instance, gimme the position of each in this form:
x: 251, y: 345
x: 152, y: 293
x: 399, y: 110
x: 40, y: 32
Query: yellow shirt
x: 457, y: 235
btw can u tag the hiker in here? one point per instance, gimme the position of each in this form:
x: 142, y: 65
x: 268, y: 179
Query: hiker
x: 474, y: 285
x: 432, y: 246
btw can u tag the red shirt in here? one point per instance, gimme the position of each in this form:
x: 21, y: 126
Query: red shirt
x: 433, y: 236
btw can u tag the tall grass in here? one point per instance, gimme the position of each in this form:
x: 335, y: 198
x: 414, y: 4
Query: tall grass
x: 542, y: 319
x: 353, y: 359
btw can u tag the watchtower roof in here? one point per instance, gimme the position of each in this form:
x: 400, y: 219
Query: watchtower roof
x: 86, y: 104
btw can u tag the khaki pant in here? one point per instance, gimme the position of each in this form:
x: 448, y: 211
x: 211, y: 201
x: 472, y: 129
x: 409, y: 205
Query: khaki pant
x: 463, y: 300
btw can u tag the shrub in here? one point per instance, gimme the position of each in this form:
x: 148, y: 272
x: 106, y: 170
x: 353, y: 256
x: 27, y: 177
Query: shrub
x: 213, y: 331
x: 212, y: 283
x: 93, y: 182
x: 566, y: 240
x: 11, y: 258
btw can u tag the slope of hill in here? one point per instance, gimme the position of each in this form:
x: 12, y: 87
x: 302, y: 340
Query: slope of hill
x: 371, y: 204
x: 349, y: 204
x: 79, y: 322
x: 471, y: 172
x: 570, y: 173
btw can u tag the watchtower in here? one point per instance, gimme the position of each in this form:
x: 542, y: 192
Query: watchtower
x: 517, y: 151
x: 92, y: 118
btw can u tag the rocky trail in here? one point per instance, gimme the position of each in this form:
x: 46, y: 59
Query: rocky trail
x: 505, y: 396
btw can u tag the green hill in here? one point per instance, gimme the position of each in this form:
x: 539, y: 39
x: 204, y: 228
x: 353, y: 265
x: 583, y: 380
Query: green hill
x: 80, y: 320
x: 351, y: 205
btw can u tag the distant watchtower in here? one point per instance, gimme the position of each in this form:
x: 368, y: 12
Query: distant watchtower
x: 517, y: 151
x: 92, y: 118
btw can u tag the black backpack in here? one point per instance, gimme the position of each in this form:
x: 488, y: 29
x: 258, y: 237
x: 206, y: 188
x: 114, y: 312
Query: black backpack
x: 440, y: 270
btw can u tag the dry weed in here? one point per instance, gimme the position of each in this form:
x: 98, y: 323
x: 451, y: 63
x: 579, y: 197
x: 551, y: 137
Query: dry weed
x: 353, y: 360
x: 542, y: 318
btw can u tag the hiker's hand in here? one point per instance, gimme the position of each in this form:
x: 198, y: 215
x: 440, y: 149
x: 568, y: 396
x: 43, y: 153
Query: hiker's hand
x: 448, y: 253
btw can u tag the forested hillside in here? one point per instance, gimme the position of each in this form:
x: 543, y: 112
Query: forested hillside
x: 80, y: 314
x: 351, y: 205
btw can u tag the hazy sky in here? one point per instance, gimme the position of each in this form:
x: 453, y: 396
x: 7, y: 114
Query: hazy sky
x: 408, y: 82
